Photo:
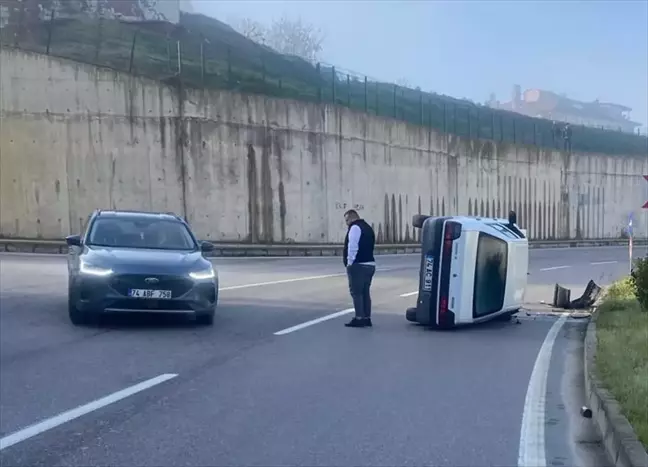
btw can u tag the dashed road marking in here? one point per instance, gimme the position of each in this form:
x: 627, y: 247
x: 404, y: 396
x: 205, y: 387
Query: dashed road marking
x: 70, y: 415
x: 313, y: 322
x: 554, y: 268
x: 408, y: 294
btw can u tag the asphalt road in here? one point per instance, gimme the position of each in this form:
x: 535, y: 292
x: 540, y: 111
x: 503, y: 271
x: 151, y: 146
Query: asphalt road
x: 244, y: 393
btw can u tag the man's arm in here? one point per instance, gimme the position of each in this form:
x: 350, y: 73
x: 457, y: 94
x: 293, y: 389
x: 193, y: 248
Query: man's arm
x: 354, y: 242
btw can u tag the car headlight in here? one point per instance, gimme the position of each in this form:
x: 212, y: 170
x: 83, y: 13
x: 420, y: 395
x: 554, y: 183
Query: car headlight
x: 203, y: 275
x: 86, y: 268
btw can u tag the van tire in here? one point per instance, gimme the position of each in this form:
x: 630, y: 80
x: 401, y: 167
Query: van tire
x: 418, y: 220
x: 410, y: 315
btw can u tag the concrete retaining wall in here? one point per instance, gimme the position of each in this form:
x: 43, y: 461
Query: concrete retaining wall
x: 246, y: 168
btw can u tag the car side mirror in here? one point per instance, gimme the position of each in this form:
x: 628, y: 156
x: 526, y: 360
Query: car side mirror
x: 73, y: 240
x: 206, y: 247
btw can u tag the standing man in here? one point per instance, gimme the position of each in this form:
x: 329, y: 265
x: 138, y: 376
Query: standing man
x: 360, y: 266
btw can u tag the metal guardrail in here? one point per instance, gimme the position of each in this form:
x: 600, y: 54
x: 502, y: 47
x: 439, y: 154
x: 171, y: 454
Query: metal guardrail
x: 21, y: 245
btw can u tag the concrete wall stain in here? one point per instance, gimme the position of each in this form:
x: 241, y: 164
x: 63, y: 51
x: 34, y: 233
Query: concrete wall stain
x: 267, y: 193
x: 253, y: 197
x: 556, y: 195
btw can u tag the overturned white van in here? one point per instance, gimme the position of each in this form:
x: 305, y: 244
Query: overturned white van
x: 473, y: 269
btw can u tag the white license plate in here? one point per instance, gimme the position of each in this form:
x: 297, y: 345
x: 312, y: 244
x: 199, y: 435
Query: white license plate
x: 149, y: 293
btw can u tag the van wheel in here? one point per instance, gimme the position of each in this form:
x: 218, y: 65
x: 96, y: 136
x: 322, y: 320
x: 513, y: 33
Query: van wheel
x: 410, y: 315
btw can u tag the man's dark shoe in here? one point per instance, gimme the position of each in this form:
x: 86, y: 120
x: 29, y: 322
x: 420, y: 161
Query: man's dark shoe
x: 356, y: 323
x: 368, y: 322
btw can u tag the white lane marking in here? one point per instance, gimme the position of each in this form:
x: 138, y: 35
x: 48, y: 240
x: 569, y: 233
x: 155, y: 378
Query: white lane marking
x: 313, y: 322
x: 70, y: 415
x: 603, y: 262
x: 532, y: 433
x: 297, y: 279
x: 408, y: 294
x: 554, y: 268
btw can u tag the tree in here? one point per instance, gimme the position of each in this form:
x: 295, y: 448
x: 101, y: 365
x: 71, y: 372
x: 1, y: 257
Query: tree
x: 286, y: 36
x: 253, y: 30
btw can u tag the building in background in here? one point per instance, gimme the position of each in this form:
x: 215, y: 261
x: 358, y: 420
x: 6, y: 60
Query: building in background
x: 550, y: 105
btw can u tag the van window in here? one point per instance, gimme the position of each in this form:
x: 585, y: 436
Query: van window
x: 490, y: 274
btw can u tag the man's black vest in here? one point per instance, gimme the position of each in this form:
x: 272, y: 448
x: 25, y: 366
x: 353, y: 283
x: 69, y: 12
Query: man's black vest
x: 365, y: 245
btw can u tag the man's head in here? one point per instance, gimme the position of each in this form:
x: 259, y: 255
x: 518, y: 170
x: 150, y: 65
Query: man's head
x: 351, y: 216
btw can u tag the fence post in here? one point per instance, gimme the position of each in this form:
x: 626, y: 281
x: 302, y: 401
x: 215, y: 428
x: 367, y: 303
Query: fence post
x: 264, y: 71
x: 444, y: 125
x: 348, y: 91
x: 21, y: 21
x: 99, y: 37
x: 229, y: 66
x: 394, y: 104
x: 492, y: 125
x: 534, y: 134
x: 421, y: 107
x: 132, y: 51
x: 179, y: 47
x: 454, y: 118
x: 50, y: 30
x: 469, y: 125
x: 514, y: 130
x: 318, y: 69
x: 377, y: 99
x: 333, y: 75
x: 202, y: 60
x: 501, y: 128
x: 366, y: 92
x: 168, y: 47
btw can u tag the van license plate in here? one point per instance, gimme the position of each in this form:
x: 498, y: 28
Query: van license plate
x: 429, y: 270
x: 149, y: 293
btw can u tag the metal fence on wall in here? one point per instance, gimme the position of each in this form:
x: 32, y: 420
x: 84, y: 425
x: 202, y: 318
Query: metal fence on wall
x: 204, y: 58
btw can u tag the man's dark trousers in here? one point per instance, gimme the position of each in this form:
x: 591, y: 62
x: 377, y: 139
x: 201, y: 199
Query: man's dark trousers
x: 360, y: 277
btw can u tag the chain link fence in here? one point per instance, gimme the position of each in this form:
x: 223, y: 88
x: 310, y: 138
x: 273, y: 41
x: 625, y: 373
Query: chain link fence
x: 203, y: 56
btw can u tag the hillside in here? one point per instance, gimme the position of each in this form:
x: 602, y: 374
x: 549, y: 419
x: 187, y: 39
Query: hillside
x: 228, y: 60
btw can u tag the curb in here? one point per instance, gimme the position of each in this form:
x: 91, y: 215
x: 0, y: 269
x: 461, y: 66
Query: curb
x: 19, y: 245
x: 619, y: 440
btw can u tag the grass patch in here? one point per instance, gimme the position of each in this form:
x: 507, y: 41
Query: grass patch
x: 622, y: 353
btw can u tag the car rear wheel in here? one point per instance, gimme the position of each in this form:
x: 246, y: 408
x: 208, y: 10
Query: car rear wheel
x: 205, y: 319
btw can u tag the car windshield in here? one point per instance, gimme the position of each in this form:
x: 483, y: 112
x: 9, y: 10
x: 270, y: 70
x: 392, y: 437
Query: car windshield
x: 140, y: 232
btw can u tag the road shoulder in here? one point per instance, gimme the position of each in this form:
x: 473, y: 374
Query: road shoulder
x: 619, y: 439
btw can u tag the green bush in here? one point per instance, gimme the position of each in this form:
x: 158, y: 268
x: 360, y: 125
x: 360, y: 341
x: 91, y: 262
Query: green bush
x: 640, y: 279
x: 624, y: 289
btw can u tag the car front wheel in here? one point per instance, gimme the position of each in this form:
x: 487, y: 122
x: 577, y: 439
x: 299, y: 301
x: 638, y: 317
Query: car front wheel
x: 78, y: 318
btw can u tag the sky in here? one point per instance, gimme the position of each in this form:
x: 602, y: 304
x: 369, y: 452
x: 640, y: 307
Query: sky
x: 587, y: 49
